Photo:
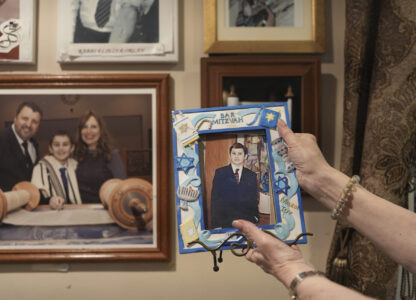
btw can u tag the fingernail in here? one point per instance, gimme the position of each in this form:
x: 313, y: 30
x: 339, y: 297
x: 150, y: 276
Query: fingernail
x: 281, y: 122
x: 236, y: 223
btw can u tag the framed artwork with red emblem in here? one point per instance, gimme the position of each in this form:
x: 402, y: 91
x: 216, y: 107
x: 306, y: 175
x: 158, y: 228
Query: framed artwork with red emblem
x: 17, y: 31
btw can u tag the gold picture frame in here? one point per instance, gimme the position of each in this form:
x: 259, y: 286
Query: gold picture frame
x: 214, y: 43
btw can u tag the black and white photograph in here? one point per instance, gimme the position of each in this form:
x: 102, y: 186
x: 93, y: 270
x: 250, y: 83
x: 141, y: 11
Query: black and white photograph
x: 264, y: 26
x: 261, y: 13
x: 117, y: 31
x: 116, y: 21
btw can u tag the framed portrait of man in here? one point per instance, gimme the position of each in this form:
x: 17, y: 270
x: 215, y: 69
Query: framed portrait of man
x: 117, y: 31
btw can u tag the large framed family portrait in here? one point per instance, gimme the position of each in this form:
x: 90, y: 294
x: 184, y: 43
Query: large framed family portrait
x: 230, y: 163
x: 130, y: 221
x: 17, y: 31
x: 117, y: 31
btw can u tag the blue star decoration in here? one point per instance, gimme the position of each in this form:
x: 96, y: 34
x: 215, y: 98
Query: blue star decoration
x: 184, y: 162
x: 282, y: 185
x: 269, y: 118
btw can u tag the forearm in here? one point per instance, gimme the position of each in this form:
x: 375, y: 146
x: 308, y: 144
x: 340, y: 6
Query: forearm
x: 312, y: 287
x: 286, y: 263
x: 319, y: 287
x: 388, y: 226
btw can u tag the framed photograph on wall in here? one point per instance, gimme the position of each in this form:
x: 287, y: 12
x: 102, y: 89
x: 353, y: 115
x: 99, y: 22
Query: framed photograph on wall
x: 130, y: 221
x: 230, y: 163
x: 117, y: 31
x: 275, y: 26
x: 17, y: 31
x: 262, y: 79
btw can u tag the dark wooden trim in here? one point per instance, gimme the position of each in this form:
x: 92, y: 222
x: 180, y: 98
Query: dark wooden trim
x: 159, y: 82
x: 214, y: 69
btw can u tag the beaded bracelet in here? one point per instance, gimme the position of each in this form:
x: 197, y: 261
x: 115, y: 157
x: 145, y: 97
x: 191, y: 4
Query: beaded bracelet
x: 346, y: 192
x: 299, y: 278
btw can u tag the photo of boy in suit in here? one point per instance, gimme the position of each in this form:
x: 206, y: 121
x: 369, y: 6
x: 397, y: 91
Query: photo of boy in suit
x: 234, y: 191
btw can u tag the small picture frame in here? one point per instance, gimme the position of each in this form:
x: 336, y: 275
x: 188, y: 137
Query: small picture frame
x: 128, y: 31
x: 239, y: 26
x: 17, y: 31
x: 267, y: 79
x: 231, y: 163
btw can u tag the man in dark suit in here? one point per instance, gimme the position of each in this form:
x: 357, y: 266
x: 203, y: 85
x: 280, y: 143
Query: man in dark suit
x: 18, y: 150
x: 234, y: 191
x: 116, y: 21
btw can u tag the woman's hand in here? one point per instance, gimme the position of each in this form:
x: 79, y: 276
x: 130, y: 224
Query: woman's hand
x: 272, y: 255
x: 305, y: 154
x: 56, y: 202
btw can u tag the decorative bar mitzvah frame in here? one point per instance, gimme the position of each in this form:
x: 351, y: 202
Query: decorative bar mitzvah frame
x: 203, y: 142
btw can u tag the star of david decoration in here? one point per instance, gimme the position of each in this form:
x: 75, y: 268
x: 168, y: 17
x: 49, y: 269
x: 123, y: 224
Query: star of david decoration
x: 184, y: 162
x: 270, y: 117
x: 183, y: 128
x: 282, y: 184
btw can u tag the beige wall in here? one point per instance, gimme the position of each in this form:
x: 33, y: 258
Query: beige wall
x: 188, y: 276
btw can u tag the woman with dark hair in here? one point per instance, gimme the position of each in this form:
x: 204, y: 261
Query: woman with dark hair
x: 97, y: 159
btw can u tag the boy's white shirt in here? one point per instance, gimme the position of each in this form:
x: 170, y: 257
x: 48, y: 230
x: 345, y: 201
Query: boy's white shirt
x: 240, y: 169
x: 70, y: 165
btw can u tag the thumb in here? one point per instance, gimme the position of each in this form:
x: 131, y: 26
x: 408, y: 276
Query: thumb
x: 249, y: 229
x: 285, y: 132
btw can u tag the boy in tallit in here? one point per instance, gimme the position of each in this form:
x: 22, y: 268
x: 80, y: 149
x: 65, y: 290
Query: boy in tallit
x: 54, y: 175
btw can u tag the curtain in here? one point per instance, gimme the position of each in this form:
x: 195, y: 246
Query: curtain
x: 379, y: 138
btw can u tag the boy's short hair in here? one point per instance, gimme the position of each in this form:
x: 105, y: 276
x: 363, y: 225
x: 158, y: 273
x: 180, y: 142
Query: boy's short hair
x: 238, y: 146
x: 61, y: 132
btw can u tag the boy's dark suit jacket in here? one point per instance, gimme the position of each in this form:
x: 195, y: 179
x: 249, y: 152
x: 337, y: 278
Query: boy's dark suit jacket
x: 13, y: 168
x: 230, y: 201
